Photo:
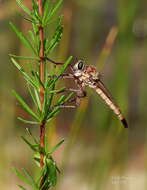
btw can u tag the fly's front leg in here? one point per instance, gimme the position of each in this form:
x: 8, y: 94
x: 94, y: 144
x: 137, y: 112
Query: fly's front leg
x: 63, y: 76
x: 52, y: 61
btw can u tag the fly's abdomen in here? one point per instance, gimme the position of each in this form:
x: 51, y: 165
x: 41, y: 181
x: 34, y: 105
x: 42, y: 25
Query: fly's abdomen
x: 111, y: 105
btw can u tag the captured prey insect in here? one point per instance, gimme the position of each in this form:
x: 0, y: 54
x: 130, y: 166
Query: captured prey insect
x: 86, y: 75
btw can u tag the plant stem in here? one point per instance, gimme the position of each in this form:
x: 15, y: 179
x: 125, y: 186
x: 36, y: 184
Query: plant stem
x: 41, y: 74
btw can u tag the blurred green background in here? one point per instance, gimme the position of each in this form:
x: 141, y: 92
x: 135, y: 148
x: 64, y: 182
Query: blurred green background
x: 98, y: 152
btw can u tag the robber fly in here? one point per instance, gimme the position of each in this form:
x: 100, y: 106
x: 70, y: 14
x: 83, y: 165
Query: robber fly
x: 88, y: 76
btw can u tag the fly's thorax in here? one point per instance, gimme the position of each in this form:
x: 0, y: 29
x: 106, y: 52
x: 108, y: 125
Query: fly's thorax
x: 92, y: 72
x: 88, y: 80
x: 86, y: 74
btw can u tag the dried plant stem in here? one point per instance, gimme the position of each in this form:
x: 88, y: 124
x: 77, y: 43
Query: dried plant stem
x: 41, y: 74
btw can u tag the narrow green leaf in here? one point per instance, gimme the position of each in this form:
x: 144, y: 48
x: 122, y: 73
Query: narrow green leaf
x: 48, y: 97
x: 55, y: 147
x: 30, y: 179
x: 47, y: 12
x: 45, y: 104
x: 22, y: 37
x: 25, y: 106
x: 30, y: 32
x: 56, y: 110
x: 34, y: 36
x: 53, y: 11
x: 65, y: 65
x: 48, y: 102
x: 32, y: 95
x: 63, y: 68
x: 37, y: 98
x: 56, y: 7
x: 35, y: 12
x: 35, y: 29
x: 56, y: 37
x: 51, y: 96
x: 21, y: 176
x: 36, y: 75
x: 57, y: 91
x: 61, y: 99
x: 31, y: 135
x: 21, y: 187
x: 29, y: 144
x: 27, y: 121
x: 26, y: 76
x: 24, y: 57
x: 53, y: 113
x: 19, y: 2
x: 68, y: 97
x: 31, y: 20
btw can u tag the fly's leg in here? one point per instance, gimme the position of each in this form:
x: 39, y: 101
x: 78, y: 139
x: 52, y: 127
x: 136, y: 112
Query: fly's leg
x: 66, y: 76
x: 80, y: 92
x: 67, y: 106
x: 76, y: 100
x: 52, y: 61
x: 56, y: 63
x: 63, y: 76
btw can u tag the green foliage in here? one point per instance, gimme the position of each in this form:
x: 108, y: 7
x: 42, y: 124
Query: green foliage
x: 22, y: 37
x: 40, y: 113
x: 48, y: 173
x: 55, y: 147
x: 25, y: 106
x: 50, y: 13
x: 56, y: 37
x: 25, y: 9
x: 23, y: 57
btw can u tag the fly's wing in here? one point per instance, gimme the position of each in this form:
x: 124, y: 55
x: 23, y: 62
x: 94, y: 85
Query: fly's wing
x: 106, y: 96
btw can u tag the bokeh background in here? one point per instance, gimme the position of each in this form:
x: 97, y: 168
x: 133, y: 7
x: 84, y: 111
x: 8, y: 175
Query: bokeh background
x: 98, y: 153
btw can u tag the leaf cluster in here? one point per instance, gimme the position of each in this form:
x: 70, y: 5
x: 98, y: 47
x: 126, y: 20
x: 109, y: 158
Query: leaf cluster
x: 32, y: 42
x: 32, y: 78
x: 34, y: 84
x: 48, y: 174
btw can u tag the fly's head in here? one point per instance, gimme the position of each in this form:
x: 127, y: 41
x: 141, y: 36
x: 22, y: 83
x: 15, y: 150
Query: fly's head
x: 88, y: 75
x: 78, y: 68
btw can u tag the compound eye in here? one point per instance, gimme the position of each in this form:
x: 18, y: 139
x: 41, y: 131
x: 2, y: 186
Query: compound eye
x: 80, y: 65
